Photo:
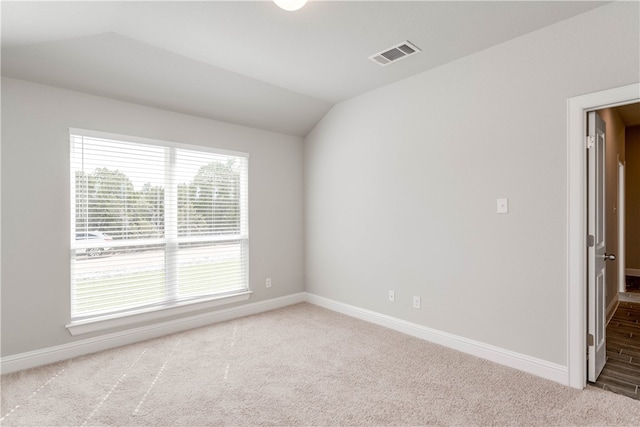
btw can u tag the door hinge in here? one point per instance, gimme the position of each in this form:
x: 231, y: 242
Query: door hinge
x: 590, y: 340
x: 591, y: 241
x: 591, y: 141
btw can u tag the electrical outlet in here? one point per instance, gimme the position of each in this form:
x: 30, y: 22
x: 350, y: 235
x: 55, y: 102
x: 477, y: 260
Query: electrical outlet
x: 416, y: 302
x: 392, y: 296
x: 268, y: 282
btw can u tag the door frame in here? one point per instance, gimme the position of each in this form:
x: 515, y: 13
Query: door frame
x: 577, y: 109
x: 621, y: 255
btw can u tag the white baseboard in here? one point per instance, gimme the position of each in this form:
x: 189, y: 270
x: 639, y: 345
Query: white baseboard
x: 48, y: 355
x: 495, y: 354
x: 532, y: 365
x: 629, y: 297
x: 632, y: 272
x: 611, y: 309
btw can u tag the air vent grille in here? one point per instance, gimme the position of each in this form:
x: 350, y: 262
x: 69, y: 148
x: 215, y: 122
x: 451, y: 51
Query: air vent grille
x: 394, y: 53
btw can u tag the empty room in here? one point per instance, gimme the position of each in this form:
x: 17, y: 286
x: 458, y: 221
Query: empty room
x: 319, y: 212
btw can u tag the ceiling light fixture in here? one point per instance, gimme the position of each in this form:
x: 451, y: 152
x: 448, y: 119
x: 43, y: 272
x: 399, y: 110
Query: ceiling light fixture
x: 290, y: 5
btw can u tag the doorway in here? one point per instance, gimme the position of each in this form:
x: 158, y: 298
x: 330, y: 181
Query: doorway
x: 616, y: 364
x: 578, y: 108
x: 629, y: 200
x: 622, y: 135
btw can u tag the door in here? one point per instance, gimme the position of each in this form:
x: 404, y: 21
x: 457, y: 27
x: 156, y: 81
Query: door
x: 596, y: 259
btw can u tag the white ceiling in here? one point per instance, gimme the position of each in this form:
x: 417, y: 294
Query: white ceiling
x: 248, y: 62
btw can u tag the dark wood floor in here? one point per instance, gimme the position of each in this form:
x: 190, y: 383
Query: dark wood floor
x: 621, y: 374
x: 632, y: 283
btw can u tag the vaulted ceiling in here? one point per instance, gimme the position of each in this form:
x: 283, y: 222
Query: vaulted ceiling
x: 249, y: 62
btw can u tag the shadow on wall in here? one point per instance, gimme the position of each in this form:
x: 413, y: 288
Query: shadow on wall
x: 632, y: 202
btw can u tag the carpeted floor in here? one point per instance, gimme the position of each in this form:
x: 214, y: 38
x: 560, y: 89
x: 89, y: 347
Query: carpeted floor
x: 300, y: 365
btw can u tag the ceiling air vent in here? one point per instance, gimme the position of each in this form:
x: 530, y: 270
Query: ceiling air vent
x: 394, y: 53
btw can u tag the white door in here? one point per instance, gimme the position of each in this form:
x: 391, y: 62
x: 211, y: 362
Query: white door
x: 597, y: 255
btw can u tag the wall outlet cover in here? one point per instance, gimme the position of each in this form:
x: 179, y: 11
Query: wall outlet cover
x: 416, y: 302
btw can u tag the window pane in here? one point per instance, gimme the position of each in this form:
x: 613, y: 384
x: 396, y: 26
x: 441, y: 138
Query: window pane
x: 209, y: 268
x: 129, y: 277
x: 119, y: 188
x: 208, y: 193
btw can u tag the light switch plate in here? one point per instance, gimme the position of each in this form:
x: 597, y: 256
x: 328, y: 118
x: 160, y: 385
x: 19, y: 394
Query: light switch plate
x: 503, y: 206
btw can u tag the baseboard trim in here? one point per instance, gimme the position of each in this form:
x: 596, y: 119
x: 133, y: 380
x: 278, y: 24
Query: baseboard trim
x: 57, y: 353
x: 541, y: 368
x: 532, y: 365
x: 611, y: 309
x: 632, y: 272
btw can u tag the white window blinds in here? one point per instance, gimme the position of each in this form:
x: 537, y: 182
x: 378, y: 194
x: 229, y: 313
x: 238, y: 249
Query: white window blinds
x: 154, y: 224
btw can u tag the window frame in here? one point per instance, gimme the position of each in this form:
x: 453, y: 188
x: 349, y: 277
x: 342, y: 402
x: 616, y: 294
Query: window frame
x: 171, y: 305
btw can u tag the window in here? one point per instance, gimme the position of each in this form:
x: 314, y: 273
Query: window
x: 154, y: 225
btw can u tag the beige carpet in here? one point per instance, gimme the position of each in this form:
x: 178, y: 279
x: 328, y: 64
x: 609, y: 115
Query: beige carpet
x: 301, y: 365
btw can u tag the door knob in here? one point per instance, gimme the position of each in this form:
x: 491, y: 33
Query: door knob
x: 609, y: 257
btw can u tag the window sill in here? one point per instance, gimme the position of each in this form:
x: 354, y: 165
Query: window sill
x: 140, y: 316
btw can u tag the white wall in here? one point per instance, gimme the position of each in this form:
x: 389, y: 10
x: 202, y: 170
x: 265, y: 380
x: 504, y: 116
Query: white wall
x: 35, y: 201
x: 401, y: 186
